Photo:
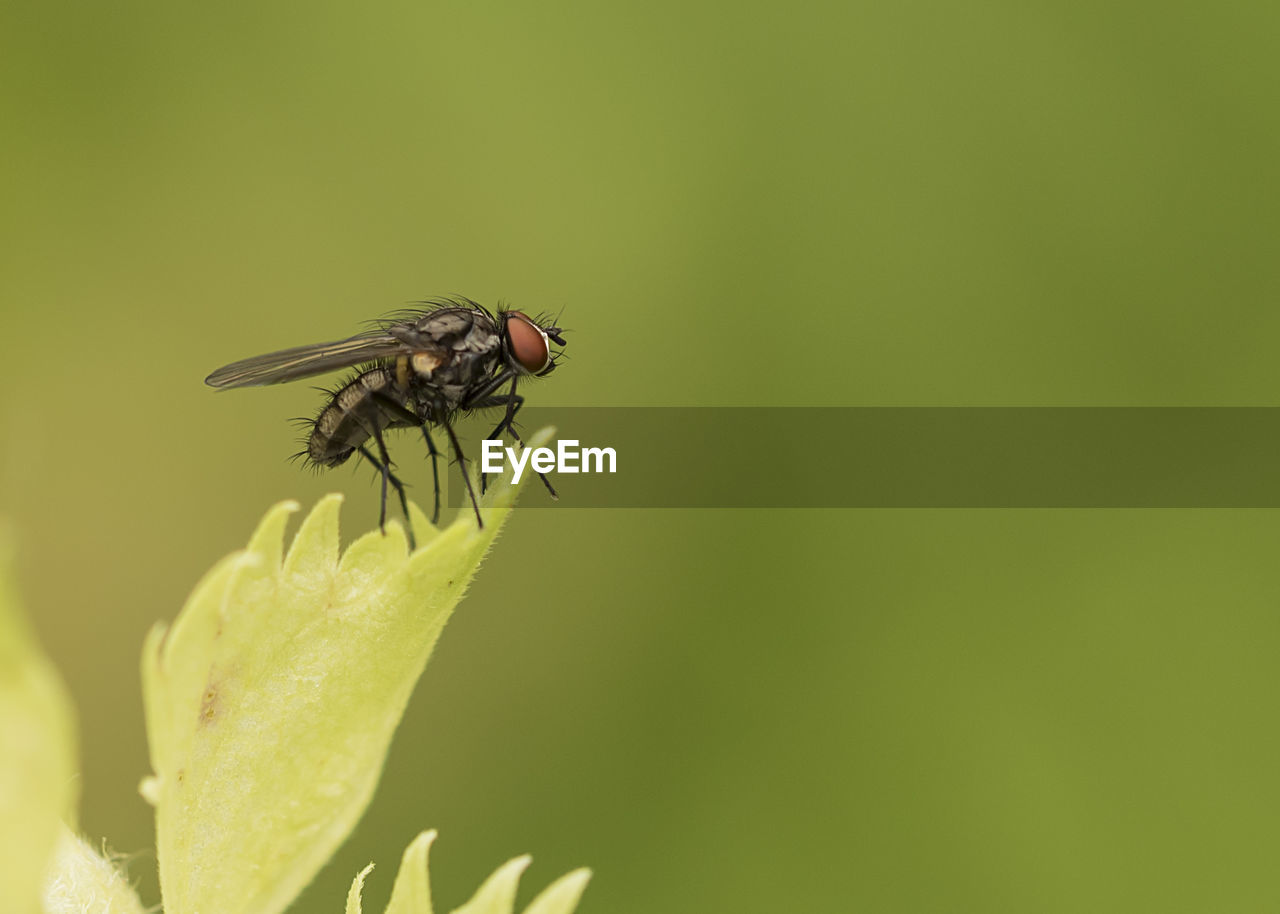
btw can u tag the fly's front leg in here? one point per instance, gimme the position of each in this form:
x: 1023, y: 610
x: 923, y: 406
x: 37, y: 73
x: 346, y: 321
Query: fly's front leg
x: 545, y: 481
x: 513, y: 402
x: 485, y: 391
x: 483, y: 398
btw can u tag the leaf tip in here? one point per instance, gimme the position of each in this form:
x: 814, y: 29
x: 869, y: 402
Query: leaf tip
x: 422, y: 843
x: 563, y: 895
x: 315, y: 545
x: 423, y: 530
x: 357, y: 886
x: 377, y: 552
x: 268, y: 539
x: 498, y: 893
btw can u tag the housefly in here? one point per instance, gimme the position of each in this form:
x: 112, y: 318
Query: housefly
x: 416, y: 369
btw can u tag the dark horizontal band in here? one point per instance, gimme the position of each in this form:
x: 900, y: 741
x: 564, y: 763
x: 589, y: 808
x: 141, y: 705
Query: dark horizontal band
x: 914, y: 457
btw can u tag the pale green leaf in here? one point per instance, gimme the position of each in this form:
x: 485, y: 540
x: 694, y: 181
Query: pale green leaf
x: 498, y: 894
x: 357, y: 886
x: 412, y: 891
x: 272, y: 699
x: 37, y: 761
x: 561, y: 897
x: 80, y: 881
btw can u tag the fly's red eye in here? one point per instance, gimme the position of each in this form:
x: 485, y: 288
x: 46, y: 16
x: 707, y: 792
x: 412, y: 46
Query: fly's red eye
x: 527, y: 342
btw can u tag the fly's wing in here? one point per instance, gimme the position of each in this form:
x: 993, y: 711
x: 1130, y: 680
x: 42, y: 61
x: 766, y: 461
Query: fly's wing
x: 306, y: 361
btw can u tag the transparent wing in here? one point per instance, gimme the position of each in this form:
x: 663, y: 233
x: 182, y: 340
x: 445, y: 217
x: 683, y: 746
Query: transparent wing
x: 305, y: 361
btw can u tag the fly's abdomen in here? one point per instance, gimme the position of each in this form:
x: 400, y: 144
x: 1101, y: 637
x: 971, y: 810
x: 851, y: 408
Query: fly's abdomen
x: 354, y: 413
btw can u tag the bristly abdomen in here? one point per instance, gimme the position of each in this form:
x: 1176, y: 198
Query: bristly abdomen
x: 351, y: 416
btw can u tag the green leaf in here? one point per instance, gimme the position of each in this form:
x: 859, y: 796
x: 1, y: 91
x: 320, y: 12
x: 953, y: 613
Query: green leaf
x: 80, y: 881
x: 412, y: 893
x: 272, y: 700
x: 37, y: 764
x: 498, y: 894
x: 561, y: 897
x: 357, y: 886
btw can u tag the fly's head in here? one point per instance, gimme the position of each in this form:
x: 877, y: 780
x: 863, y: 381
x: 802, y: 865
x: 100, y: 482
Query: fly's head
x: 526, y: 344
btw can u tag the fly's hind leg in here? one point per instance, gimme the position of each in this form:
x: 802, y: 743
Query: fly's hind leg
x: 407, y: 417
x: 383, y: 466
x: 385, y: 473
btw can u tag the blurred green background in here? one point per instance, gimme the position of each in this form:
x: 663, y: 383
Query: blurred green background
x: 811, y: 204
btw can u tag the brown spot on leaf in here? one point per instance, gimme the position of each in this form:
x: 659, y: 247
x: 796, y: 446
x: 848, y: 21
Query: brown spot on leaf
x: 209, y: 705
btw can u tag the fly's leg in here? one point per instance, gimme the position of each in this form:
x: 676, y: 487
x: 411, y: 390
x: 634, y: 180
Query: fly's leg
x: 485, y: 391
x: 512, y: 402
x: 483, y: 398
x: 435, y: 472
x: 545, y: 481
x: 408, y: 417
x: 404, y: 501
x: 462, y: 464
x: 383, y: 466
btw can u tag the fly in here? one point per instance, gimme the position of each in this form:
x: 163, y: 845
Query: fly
x: 416, y: 369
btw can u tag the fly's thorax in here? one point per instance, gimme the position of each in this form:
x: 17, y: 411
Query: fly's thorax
x: 456, y: 350
x: 440, y: 338
x: 458, y: 329
x: 454, y: 377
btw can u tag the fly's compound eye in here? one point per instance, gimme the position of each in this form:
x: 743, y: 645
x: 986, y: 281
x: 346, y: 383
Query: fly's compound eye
x: 527, y: 342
